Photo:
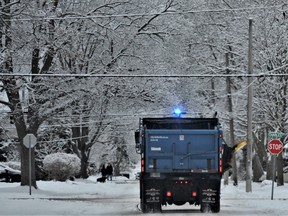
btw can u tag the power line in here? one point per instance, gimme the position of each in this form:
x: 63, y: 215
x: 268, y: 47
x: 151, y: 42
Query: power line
x: 147, y: 14
x: 148, y: 75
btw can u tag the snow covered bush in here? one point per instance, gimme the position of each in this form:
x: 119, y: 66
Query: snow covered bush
x: 61, y: 166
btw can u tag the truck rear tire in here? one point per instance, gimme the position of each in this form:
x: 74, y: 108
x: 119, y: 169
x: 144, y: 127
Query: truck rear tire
x: 145, y: 208
x: 215, y: 208
x: 205, y: 208
x: 151, y: 208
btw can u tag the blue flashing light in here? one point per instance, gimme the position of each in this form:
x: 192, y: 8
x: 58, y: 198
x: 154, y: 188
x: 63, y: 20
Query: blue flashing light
x: 177, y: 112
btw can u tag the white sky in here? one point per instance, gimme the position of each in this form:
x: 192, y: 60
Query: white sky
x: 120, y: 198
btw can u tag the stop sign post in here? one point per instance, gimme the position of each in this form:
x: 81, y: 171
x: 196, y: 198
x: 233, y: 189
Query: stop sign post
x: 30, y: 141
x: 275, y: 147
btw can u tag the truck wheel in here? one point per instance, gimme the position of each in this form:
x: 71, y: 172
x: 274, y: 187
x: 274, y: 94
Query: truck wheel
x: 215, y: 208
x: 205, y: 208
x: 145, y: 208
x: 157, y: 208
x: 151, y: 208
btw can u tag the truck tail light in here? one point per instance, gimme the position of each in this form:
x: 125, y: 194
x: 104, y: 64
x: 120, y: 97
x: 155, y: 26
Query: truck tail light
x: 220, y: 168
x: 168, y: 194
x: 220, y: 160
x: 194, y: 193
x: 142, y: 166
x: 182, y: 182
x: 220, y: 165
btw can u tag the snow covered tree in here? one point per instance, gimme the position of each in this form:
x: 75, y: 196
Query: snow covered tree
x: 65, y: 45
x: 271, y: 100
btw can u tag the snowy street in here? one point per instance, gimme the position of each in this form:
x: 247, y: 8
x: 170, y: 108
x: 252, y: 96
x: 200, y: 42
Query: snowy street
x: 85, y: 197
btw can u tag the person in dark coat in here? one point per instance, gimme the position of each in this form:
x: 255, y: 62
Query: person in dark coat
x: 103, y: 171
x: 109, y: 170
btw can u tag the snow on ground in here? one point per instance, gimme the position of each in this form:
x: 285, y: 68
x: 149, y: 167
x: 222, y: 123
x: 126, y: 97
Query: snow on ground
x: 121, y: 196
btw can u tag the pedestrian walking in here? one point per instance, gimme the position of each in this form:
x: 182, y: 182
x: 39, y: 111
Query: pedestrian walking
x: 109, y: 170
x: 103, y: 171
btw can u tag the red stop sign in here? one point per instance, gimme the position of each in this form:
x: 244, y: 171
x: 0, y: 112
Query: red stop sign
x: 275, y: 146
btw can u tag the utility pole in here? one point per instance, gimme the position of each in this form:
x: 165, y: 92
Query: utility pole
x: 231, y: 120
x: 249, y: 114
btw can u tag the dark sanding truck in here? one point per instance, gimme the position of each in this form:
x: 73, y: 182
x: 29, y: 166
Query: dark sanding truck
x: 182, y: 162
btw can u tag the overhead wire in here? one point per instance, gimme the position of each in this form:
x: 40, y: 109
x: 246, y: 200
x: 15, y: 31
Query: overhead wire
x: 148, y: 75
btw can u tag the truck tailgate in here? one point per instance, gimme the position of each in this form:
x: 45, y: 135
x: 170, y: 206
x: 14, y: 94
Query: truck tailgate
x: 182, y: 150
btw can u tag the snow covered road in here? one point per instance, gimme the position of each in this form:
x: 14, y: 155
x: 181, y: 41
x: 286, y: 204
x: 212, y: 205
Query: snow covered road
x: 85, y: 197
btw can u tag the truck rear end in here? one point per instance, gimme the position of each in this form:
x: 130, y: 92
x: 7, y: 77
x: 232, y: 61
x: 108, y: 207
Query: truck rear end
x: 181, y: 161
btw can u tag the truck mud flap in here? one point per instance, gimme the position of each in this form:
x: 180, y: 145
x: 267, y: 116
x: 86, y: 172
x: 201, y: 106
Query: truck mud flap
x: 151, y: 200
x: 152, y: 195
x: 210, y: 196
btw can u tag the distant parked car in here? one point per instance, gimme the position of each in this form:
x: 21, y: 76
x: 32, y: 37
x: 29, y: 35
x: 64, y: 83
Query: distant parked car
x: 7, y: 174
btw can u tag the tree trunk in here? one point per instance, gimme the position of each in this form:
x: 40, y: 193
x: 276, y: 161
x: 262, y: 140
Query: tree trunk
x: 84, y: 165
x: 258, y: 171
x: 257, y: 168
x: 79, y: 150
x: 12, y: 91
x: 80, y: 133
x: 226, y: 177
x: 117, y: 168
